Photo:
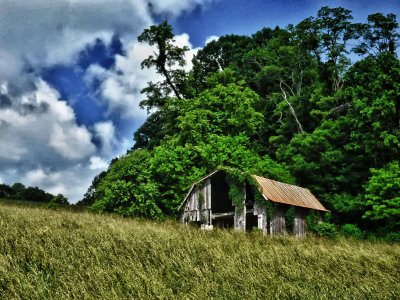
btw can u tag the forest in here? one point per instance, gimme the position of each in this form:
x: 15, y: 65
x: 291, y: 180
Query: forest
x: 20, y: 192
x: 315, y: 104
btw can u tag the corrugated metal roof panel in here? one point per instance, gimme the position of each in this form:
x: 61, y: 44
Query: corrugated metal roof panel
x: 288, y: 194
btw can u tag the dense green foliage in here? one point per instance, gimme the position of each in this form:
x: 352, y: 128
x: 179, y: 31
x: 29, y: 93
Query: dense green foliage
x: 286, y: 103
x: 19, y: 191
x: 382, y: 194
x: 352, y: 231
x: 48, y: 254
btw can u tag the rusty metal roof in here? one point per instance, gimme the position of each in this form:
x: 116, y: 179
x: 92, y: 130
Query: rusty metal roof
x: 287, y: 193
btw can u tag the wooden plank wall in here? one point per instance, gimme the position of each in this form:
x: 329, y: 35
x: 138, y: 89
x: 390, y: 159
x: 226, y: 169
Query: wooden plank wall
x: 261, y: 212
x: 300, y: 225
x: 278, y: 224
x: 196, y: 210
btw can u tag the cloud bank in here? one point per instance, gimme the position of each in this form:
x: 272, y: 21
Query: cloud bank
x: 44, y: 143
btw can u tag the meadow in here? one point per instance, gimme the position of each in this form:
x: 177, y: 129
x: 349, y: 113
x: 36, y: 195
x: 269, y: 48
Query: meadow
x: 61, y: 254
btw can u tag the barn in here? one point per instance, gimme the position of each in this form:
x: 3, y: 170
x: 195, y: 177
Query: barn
x: 208, y: 204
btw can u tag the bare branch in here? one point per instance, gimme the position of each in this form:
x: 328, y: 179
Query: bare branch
x: 339, y: 108
x: 291, y: 91
x: 290, y: 106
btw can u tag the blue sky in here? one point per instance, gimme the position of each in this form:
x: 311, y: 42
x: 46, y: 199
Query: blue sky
x: 70, y: 75
x: 248, y: 16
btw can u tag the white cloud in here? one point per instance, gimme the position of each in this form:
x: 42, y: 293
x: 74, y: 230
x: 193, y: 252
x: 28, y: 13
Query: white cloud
x: 10, y: 64
x: 11, y: 152
x: 38, y: 122
x: 35, y: 177
x: 106, y: 133
x: 47, y: 32
x: 58, y: 189
x: 211, y: 38
x: 121, y: 86
x: 44, y: 33
x: 181, y: 41
x: 40, y: 131
x: 72, y: 142
x: 42, y: 142
x: 176, y: 7
x: 97, y: 163
x: 71, y: 181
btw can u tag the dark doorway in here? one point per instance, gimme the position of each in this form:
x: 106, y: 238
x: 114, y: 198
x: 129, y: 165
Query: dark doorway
x: 220, y: 194
x: 223, y: 222
x: 251, y: 221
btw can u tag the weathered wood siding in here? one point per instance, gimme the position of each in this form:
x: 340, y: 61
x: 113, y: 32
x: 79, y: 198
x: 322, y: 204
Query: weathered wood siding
x: 278, y: 224
x: 240, y: 218
x: 300, y: 225
x: 261, y: 213
x: 198, y: 205
x: 240, y: 214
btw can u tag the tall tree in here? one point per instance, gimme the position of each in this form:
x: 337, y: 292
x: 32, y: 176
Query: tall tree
x: 167, y: 61
x: 335, y: 29
x: 380, y: 34
x: 217, y: 55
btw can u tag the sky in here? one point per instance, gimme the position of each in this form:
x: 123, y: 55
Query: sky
x: 70, y: 75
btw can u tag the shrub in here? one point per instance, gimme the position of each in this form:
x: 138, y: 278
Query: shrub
x: 382, y: 194
x: 393, y: 237
x: 351, y: 230
x: 59, y: 199
x: 312, y: 220
x: 326, y: 230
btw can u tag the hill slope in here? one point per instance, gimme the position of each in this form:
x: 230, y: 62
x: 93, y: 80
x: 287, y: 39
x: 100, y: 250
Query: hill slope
x: 64, y: 255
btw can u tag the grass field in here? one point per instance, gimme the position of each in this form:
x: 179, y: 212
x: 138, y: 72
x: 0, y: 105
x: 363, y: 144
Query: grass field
x: 55, y: 254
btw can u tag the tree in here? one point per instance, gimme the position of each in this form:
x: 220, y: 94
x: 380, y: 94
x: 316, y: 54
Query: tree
x: 59, y: 199
x: 128, y: 188
x: 382, y: 194
x: 336, y: 30
x: 36, y: 194
x: 176, y: 166
x: 166, y: 61
x: 281, y: 100
x: 5, y: 191
x: 223, y: 110
x: 89, y: 197
x: 18, y: 190
x: 216, y: 56
x: 380, y: 35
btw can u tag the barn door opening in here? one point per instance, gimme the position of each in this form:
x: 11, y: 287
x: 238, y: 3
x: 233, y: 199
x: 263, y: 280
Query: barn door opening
x: 251, y: 216
x: 223, y: 211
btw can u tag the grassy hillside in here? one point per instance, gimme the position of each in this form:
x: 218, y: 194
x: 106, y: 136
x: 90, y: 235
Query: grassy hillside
x: 47, y: 254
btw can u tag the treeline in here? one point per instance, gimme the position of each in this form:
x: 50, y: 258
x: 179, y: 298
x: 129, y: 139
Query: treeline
x: 19, y: 191
x: 285, y: 103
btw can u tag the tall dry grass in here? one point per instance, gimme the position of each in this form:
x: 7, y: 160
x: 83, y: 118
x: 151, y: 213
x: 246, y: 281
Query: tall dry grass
x: 47, y: 254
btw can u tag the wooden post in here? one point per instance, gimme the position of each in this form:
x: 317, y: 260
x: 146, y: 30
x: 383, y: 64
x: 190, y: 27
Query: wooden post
x: 300, y: 225
x: 208, y: 202
x: 262, y: 217
x: 240, y: 213
x: 207, y: 213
